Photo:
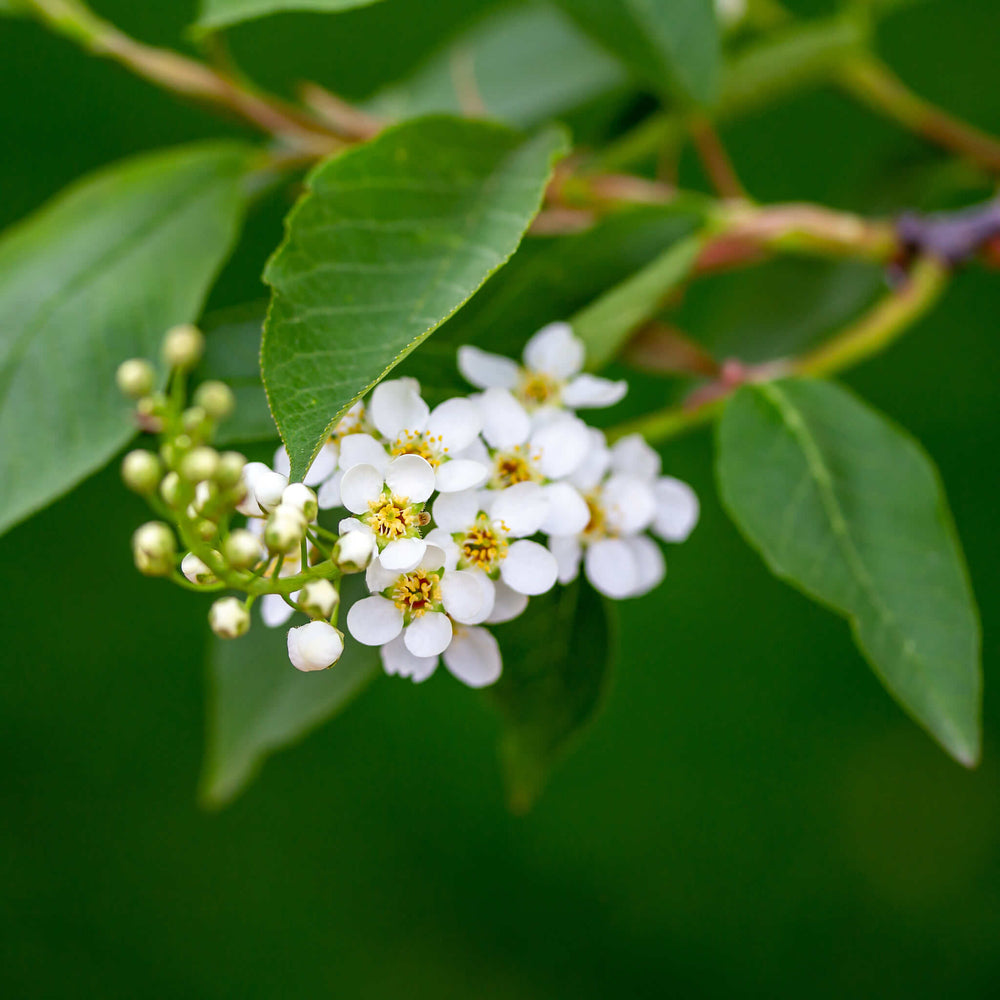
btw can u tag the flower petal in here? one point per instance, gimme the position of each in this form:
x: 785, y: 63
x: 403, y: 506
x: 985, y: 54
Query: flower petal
x: 677, y: 509
x: 474, y: 657
x: 403, y: 554
x: 568, y: 552
x: 507, y: 604
x: 611, y: 568
x: 555, y: 350
x: 360, y: 485
x: 522, y: 508
x: 396, y: 406
x: 362, y: 449
x: 324, y: 465
x: 274, y: 611
x: 281, y: 464
x: 456, y: 511
x: 428, y: 635
x: 529, y: 568
x: 374, y: 621
x: 505, y: 421
x: 632, y: 454
x: 467, y: 596
x: 485, y: 370
x: 568, y: 511
x: 328, y: 494
x: 650, y: 565
x: 586, y: 476
x: 314, y: 646
x: 456, y: 422
x: 398, y: 661
x: 460, y: 474
x: 561, y: 445
x: 441, y: 539
x: 628, y: 502
x: 433, y: 557
x: 589, y: 391
x: 378, y: 577
x: 410, y: 476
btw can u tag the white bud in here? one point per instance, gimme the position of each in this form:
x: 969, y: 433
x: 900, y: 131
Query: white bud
x: 355, y: 550
x: 264, y: 488
x: 183, y: 346
x: 200, y: 464
x: 171, y: 489
x: 284, y: 530
x: 153, y: 548
x: 230, y: 469
x: 315, y: 646
x: 228, y: 618
x: 299, y: 496
x: 141, y: 471
x: 135, y: 377
x: 318, y: 598
x: 243, y: 549
x: 195, y: 570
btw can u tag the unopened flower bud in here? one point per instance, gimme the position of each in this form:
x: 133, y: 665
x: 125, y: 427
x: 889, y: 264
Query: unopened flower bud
x: 228, y: 618
x: 135, y: 378
x: 141, y: 471
x: 230, y: 469
x: 216, y: 398
x: 264, y: 488
x: 284, y: 530
x: 195, y: 570
x: 183, y: 346
x: 195, y: 422
x: 153, y: 548
x: 299, y: 496
x: 242, y: 549
x: 206, y: 530
x: 318, y: 598
x: 315, y: 646
x: 172, y: 489
x: 354, y: 551
x: 200, y: 464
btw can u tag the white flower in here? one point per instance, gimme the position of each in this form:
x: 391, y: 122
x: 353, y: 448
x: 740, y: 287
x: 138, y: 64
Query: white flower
x: 228, y: 618
x: 488, y: 543
x: 551, y: 375
x: 407, y: 426
x: 264, y: 487
x: 389, y: 503
x: 472, y: 656
x: 315, y: 646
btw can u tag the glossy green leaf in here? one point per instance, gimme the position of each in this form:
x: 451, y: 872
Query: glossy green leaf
x: 390, y: 240
x: 673, y: 45
x: 232, y: 354
x: 557, y: 665
x: 221, y: 13
x: 94, y: 277
x: 259, y: 703
x: 606, y: 324
x: 522, y: 65
x: 850, y: 509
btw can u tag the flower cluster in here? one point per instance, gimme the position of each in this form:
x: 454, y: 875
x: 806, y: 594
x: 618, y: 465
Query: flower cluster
x: 457, y: 515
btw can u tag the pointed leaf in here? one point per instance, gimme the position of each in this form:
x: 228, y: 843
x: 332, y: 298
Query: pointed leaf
x: 220, y: 13
x: 849, y: 508
x: 391, y: 239
x: 557, y: 665
x: 92, y: 278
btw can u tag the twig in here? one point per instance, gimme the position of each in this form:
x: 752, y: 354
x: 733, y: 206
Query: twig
x: 715, y: 159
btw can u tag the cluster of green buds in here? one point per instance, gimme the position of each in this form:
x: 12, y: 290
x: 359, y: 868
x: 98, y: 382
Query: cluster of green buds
x: 201, y: 496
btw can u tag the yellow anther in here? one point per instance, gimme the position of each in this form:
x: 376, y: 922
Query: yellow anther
x: 392, y: 517
x: 417, y: 592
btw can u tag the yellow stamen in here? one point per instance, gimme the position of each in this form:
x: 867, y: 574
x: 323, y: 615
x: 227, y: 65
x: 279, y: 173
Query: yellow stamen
x: 420, y: 443
x: 417, y: 592
x: 537, y: 389
x: 514, y: 466
x: 392, y: 517
x: 482, y: 546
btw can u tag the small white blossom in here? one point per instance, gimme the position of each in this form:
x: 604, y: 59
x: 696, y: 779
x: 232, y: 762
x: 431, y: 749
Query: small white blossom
x: 228, y: 618
x: 315, y: 646
x: 264, y: 487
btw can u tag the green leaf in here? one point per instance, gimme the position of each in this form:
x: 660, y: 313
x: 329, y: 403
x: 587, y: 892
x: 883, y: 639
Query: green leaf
x: 92, y: 278
x: 260, y: 703
x: 12, y: 8
x: 849, y: 508
x: 556, y: 669
x: 523, y: 66
x: 671, y: 44
x: 232, y: 354
x: 221, y: 13
x: 606, y: 324
x: 391, y: 239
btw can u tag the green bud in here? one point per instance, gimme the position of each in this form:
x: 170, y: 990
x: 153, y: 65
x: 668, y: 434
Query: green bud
x: 230, y: 469
x: 154, y: 548
x: 141, y: 471
x: 172, y: 490
x: 135, y: 378
x: 199, y: 464
x: 195, y: 421
x: 318, y: 598
x: 216, y: 398
x: 206, y: 530
x: 242, y: 549
x: 183, y: 346
x: 285, y: 529
x: 229, y: 618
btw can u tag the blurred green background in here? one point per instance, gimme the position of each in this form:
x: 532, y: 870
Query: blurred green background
x: 750, y: 816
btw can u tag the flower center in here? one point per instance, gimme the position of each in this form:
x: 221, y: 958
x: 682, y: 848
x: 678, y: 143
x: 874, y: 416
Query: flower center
x: 514, y: 466
x: 417, y: 592
x: 420, y: 443
x: 482, y: 546
x: 352, y: 422
x: 392, y: 517
x: 537, y: 389
x: 597, y: 526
